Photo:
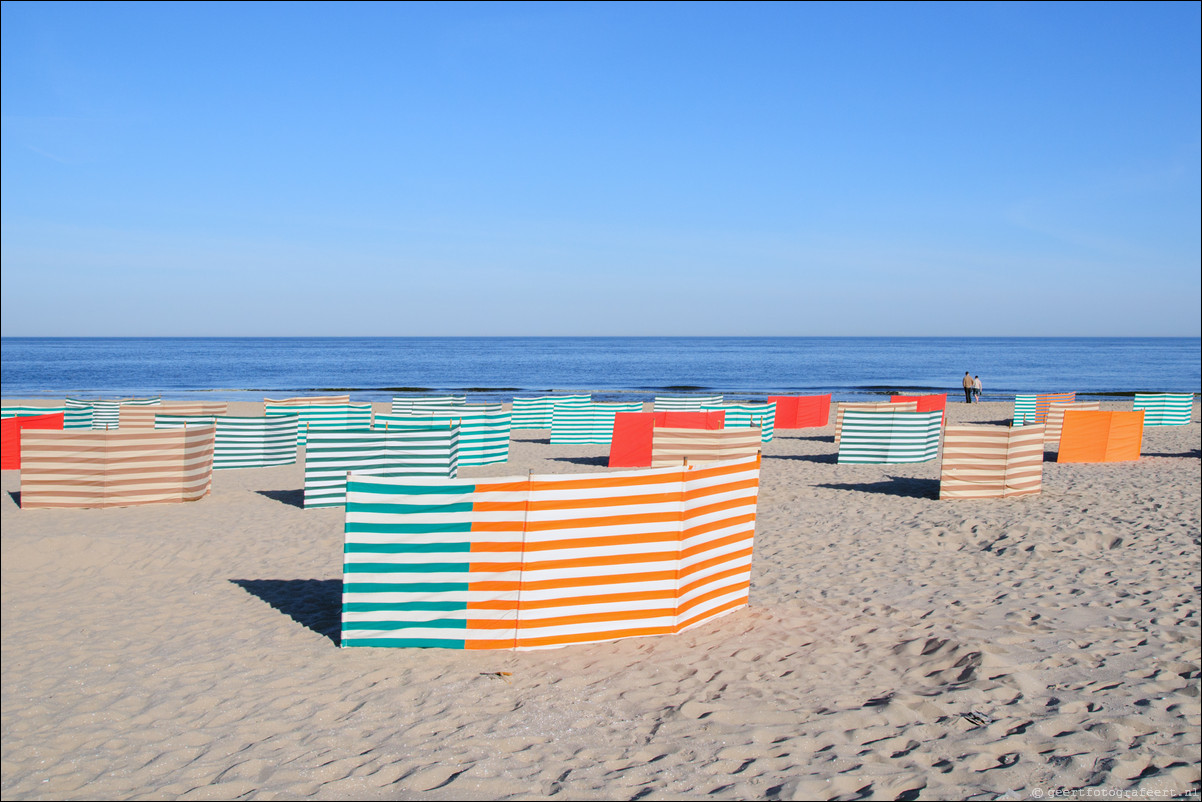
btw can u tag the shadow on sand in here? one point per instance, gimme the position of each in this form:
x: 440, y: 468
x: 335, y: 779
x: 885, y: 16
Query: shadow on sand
x: 826, y: 459
x: 1196, y: 454
x: 312, y: 603
x: 596, y: 462
x: 893, y: 486
x: 295, y: 498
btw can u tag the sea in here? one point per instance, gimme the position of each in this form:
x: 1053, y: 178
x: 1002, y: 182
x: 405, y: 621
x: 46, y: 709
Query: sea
x: 612, y: 368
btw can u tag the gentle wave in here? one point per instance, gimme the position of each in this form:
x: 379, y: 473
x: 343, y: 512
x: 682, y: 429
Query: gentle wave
x: 492, y: 369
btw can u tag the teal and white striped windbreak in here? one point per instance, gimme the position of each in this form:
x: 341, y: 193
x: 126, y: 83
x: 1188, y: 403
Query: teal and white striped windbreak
x: 328, y: 417
x: 106, y: 413
x: 73, y: 417
x: 425, y: 404
x: 484, y: 430
x: 1031, y: 408
x: 244, y: 442
x: 588, y: 423
x: 686, y: 403
x: 885, y: 436
x: 748, y: 415
x: 330, y: 455
x: 536, y: 413
x: 1165, y: 409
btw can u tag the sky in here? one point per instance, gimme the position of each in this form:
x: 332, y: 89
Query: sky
x: 558, y: 169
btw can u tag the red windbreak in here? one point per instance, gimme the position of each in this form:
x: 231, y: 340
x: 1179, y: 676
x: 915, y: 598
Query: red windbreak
x: 801, y: 411
x: 10, y: 438
x: 632, y: 437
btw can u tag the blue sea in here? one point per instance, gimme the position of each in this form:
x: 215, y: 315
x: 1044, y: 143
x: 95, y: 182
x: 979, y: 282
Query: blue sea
x: 630, y: 368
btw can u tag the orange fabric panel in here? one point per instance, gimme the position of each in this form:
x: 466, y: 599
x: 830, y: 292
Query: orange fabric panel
x: 1126, y: 436
x: 10, y: 436
x: 801, y: 411
x: 1083, y: 437
x: 1100, y: 436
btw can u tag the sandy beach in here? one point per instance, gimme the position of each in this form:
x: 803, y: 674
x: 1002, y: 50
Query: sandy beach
x: 895, y: 647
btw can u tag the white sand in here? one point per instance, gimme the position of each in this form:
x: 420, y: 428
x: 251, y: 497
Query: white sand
x: 895, y: 646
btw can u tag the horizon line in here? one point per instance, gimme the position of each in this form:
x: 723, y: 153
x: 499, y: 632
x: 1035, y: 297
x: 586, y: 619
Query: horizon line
x: 596, y: 336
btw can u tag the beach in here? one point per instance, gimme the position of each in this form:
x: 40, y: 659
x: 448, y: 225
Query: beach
x: 895, y: 646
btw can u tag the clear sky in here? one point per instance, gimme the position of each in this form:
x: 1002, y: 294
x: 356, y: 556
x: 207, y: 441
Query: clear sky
x: 601, y: 169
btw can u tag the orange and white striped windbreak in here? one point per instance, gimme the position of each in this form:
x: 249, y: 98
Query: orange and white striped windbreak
x: 545, y: 561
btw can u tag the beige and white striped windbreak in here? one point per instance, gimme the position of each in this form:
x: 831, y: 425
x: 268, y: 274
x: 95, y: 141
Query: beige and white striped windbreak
x: 74, y: 468
x: 105, y: 412
x: 1055, y: 420
x: 134, y: 416
x: 671, y: 446
x: 984, y: 461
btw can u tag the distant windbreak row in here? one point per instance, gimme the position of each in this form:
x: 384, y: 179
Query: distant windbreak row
x: 143, y: 450
x: 529, y: 562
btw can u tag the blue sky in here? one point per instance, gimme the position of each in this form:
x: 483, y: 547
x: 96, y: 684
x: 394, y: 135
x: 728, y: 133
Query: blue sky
x: 601, y: 169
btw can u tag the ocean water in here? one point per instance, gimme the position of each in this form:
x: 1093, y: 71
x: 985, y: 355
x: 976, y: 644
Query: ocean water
x: 498, y: 368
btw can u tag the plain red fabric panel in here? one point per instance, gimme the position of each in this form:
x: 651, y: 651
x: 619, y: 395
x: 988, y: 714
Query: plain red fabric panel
x: 926, y: 403
x: 786, y: 410
x: 10, y: 436
x: 933, y: 402
x: 632, y: 438
x: 715, y: 419
x: 10, y: 443
x: 631, y: 443
x: 801, y: 411
x: 813, y: 410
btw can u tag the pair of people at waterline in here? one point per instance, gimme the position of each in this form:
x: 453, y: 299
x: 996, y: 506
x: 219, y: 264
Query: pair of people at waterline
x: 972, y: 388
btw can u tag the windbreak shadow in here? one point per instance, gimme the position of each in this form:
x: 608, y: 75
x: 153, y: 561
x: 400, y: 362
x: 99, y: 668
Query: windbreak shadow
x: 542, y: 441
x: 312, y: 603
x: 596, y: 462
x: 295, y: 498
x: 816, y: 438
x: 15, y: 495
x: 1196, y: 454
x: 828, y: 459
x: 893, y: 486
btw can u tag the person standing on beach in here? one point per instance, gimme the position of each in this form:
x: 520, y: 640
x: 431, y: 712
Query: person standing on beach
x: 976, y: 389
x: 967, y: 387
